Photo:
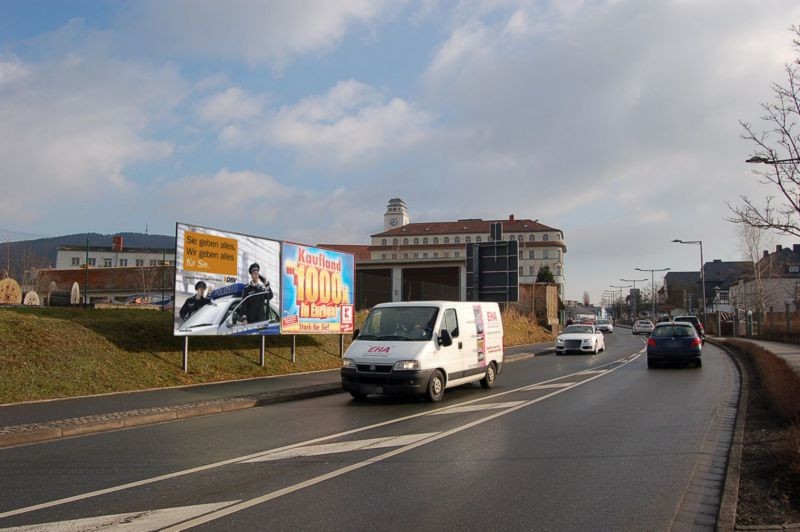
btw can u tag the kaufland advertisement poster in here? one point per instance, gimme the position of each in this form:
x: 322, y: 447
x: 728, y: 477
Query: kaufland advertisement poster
x: 226, y: 283
x: 318, y: 291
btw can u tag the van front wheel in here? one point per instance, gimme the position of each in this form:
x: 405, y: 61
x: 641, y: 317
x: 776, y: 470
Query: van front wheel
x: 491, y: 376
x: 435, y: 390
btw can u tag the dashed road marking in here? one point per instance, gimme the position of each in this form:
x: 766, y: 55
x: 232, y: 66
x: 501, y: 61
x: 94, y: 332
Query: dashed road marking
x: 549, y: 386
x: 343, y: 447
x: 476, y: 408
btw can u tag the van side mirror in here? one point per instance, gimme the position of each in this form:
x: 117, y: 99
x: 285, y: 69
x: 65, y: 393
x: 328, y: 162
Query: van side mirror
x: 445, y: 340
x: 355, y: 333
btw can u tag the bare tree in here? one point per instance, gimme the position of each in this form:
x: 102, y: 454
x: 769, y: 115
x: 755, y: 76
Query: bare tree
x: 753, y: 240
x: 586, y: 299
x: 779, y: 146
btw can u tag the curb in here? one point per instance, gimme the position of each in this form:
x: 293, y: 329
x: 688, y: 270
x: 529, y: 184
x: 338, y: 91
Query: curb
x: 726, y: 516
x: 65, y: 428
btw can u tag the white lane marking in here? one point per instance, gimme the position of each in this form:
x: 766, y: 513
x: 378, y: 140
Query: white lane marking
x: 549, y: 386
x: 476, y: 408
x: 594, y: 372
x: 145, y: 520
x: 207, y: 467
x: 343, y: 447
x: 353, y: 467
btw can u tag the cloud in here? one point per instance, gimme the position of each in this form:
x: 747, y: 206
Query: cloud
x: 231, y: 105
x: 74, y: 121
x: 249, y: 31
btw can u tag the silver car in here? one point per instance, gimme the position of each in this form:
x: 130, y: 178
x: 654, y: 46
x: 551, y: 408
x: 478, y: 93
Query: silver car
x: 643, y: 327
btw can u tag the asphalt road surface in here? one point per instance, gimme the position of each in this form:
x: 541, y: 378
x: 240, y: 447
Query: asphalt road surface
x: 575, y: 442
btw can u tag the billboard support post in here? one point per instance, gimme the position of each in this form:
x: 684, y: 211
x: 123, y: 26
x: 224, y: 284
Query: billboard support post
x: 341, y: 345
x: 263, y: 347
x: 186, y: 354
x: 294, y: 348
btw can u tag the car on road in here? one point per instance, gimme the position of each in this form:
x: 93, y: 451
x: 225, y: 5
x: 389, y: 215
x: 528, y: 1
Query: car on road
x: 674, y: 342
x: 605, y: 325
x: 580, y: 337
x: 695, y: 321
x: 642, y: 327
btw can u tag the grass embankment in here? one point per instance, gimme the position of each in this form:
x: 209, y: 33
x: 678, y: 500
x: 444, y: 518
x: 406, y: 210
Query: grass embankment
x: 47, y: 352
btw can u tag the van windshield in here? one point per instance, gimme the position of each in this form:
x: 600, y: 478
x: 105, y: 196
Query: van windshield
x: 400, y: 323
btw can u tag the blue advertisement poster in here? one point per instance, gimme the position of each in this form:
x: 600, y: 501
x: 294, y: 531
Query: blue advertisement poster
x: 317, y: 291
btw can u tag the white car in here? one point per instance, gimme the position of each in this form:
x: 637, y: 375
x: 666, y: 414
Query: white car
x: 583, y: 338
x: 605, y: 326
x: 642, y: 327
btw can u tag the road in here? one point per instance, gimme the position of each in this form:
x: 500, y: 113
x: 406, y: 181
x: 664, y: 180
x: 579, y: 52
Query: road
x: 574, y: 442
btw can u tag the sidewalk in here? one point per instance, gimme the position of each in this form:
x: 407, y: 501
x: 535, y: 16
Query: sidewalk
x: 46, y: 420
x: 789, y: 352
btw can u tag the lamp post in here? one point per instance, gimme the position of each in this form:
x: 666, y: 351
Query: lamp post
x: 620, y: 288
x: 652, y: 286
x: 763, y: 160
x: 702, y: 270
x: 634, y: 281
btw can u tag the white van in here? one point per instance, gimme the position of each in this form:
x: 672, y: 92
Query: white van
x: 423, y: 347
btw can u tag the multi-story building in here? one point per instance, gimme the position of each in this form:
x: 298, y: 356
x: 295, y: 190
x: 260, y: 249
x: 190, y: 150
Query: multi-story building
x: 69, y: 257
x: 776, y: 285
x: 539, y: 244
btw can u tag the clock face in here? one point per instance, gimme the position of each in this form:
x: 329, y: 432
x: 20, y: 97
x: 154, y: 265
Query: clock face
x: 393, y: 221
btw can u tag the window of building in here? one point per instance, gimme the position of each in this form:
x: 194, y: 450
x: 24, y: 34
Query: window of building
x: 532, y: 237
x: 107, y: 263
x: 545, y: 254
x: 557, y: 253
x: 405, y: 241
x: 92, y: 261
x: 531, y: 254
x: 123, y: 262
x: 558, y: 270
x: 153, y: 262
x: 446, y: 253
x: 395, y: 242
x: 457, y: 240
x: 458, y: 254
x: 511, y: 237
x: 468, y: 239
x: 383, y: 255
x: 520, y: 271
x: 435, y: 255
x: 520, y: 238
x: 531, y: 270
x: 477, y: 239
x: 416, y: 255
x: 447, y: 240
x: 383, y: 242
x: 545, y: 237
x: 405, y: 255
x: 416, y: 241
x: 76, y: 261
x: 520, y: 255
x: 424, y: 255
x: 425, y: 241
x: 436, y: 240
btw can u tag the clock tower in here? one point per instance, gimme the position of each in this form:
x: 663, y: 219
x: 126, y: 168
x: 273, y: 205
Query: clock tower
x: 396, y: 214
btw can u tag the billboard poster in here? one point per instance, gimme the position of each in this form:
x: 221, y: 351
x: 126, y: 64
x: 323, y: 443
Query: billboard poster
x: 318, y: 291
x: 225, y: 283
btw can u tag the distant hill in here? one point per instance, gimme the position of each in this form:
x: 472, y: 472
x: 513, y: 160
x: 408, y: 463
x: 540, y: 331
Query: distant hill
x: 42, y: 252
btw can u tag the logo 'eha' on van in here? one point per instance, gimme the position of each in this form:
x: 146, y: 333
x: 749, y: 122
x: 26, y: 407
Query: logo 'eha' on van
x: 491, y: 316
x: 378, y: 349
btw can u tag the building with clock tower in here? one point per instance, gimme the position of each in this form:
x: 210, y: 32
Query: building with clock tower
x: 396, y: 214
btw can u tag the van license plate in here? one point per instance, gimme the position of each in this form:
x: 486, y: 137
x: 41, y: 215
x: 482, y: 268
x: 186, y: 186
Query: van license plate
x: 379, y: 389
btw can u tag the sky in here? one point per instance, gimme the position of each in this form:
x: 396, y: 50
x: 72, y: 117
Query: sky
x: 616, y: 121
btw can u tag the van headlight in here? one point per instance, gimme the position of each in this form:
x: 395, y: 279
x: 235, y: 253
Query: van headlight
x: 559, y: 341
x: 348, y: 363
x: 406, y: 365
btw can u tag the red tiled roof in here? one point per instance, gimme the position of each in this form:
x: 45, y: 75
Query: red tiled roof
x: 465, y: 226
x: 360, y: 252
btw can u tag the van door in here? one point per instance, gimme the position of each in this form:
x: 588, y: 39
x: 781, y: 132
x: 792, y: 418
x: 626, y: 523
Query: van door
x: 451, y: 358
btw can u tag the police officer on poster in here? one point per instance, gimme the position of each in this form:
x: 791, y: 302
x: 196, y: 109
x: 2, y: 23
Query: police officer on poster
x: 254, y: 307
x: 194, y: 303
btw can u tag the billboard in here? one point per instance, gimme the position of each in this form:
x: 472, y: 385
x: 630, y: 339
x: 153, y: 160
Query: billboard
x: 317, y: 291
x: 225, y: 283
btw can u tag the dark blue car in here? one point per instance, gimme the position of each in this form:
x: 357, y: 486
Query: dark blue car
x: 674, y: 342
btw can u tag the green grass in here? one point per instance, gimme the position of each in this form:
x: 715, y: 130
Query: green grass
x: 48, y: 353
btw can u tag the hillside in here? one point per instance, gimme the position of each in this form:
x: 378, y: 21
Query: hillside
x: 64, y: 352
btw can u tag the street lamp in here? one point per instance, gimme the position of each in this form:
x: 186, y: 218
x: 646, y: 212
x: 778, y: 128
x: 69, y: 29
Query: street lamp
x: 652, y: 286
x: 634, y: 281
x: 702, y: 270
x: 763, y: 160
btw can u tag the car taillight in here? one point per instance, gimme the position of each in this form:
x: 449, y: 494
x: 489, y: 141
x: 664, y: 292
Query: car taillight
x: 696, y: 342
x: 651, y: 342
